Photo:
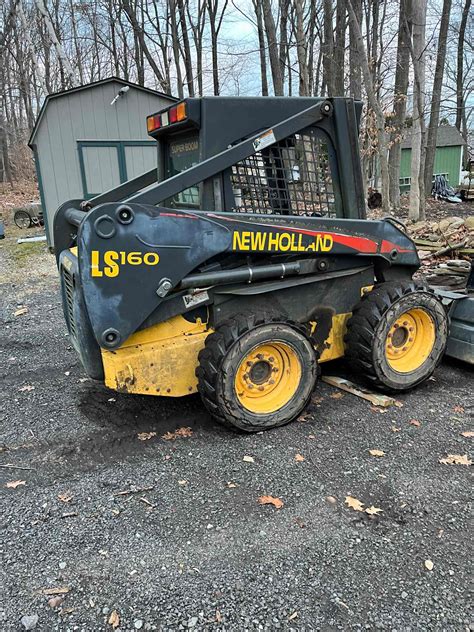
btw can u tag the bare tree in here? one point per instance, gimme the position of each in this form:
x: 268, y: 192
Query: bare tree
x: 328, y: 49
x: 375, y: 106
x: 273, y: 53
x: 399, y: 102
x: 339, y: 47
x: 215, y: 23
x: 417, y: 52
x: 436, y: 96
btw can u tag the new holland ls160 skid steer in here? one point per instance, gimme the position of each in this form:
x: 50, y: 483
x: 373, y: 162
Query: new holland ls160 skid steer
x: 242, y: 261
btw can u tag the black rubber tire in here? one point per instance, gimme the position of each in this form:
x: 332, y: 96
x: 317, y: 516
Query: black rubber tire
x: 369, y: 326
x: 221, y: 357
x: 22, y: 219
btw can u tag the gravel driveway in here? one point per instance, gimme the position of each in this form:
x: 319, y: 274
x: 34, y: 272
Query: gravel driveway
x: 156, y: 533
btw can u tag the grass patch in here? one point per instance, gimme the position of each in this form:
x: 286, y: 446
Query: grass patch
x: 22, y: 254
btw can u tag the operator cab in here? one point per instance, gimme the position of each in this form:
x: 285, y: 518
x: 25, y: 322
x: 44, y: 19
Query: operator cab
x: 299, y: 175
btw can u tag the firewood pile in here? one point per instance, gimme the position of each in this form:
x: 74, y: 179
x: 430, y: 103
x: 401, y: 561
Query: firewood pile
x: 446, y: 250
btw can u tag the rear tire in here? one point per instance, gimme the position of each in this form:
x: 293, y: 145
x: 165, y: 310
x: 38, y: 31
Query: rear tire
x: 397, y: 335
x: 257, y: 373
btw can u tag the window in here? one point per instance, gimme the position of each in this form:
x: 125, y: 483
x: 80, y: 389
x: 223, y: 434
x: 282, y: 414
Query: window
x: 105, y: 164
x: 292, y: 177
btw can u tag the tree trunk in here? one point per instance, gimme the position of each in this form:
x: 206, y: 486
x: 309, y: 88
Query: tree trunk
x: 399, y: 104
x: 64, y: 61
x: 257, y: 5
x: 272, y: 48
x: 460, y: 105
x: 328, y: 49
x: 340, y: 48
x: 355, y: 79
x: 188, y: 62
x: 301, y: 50
x: 417, y: 50
x: 376, y: 107
x: 436, y: 96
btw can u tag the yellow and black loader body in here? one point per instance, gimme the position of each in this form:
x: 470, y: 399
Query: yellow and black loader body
x: 242, y: 262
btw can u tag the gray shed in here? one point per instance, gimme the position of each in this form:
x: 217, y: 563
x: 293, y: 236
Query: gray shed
x: 89, y: 139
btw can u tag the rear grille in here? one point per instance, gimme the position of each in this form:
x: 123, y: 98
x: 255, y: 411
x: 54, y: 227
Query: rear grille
x: 69, y: 293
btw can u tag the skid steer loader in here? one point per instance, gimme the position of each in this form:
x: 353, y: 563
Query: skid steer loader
x: 242, y: 261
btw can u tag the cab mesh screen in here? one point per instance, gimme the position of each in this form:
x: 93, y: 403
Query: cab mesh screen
x: 291, y: 177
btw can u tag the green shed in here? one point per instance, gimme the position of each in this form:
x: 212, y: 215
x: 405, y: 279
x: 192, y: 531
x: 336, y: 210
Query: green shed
x: 448, y: 157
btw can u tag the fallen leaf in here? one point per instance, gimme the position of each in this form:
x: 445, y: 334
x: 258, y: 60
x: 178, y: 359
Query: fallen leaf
x: 398, y: 404
x: 379, y: 410
x: 331, y: 500
x: 299, y: 458
x: 316, y: 400
x: 21, y: 311
x: 429, y: 565
x: 468, y: 433
x: 231, y: 485
x: 15, y: 484
x: 373, y: 511
x: 304, y: 417
x: 66, y: 611
x: 456, y: 459
x: 183, y: 482
x: 415, y: 422
x: 61, y: 590
x: 377, y: 452
x: 293, y: 616
x: 65, y: 497
x: 336, y: 395
x: 458, y: 409
x: 27, y: 388
x: 395, y: 429
x: 218, y: 617
x: 353, y: 503
x: 300, y: 523
x: 144, y: 436
x: 311, y: 436
x: 270, y: 500
x: 114, y: 619
x: 179, y: 433
x: 54, y: 602
x: 248, y: 459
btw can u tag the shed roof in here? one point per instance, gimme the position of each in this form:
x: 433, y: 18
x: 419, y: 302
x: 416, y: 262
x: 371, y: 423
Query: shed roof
x: 448, y: 136
x: 87, y: 86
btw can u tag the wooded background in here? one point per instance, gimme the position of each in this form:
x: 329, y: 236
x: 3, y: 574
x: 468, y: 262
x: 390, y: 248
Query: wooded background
x: 411, y: 61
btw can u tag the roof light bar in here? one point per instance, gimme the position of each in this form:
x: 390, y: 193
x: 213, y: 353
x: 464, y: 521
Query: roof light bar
x: 176, y: 114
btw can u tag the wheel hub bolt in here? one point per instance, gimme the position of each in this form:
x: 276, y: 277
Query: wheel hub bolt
x: 260, y: 356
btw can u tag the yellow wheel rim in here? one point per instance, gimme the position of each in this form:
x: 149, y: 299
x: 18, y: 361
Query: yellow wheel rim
x: 410, y: 340
x: 268, y: 377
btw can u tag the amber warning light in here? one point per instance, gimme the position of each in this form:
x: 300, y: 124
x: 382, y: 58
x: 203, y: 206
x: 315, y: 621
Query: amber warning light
x: 176, y: 114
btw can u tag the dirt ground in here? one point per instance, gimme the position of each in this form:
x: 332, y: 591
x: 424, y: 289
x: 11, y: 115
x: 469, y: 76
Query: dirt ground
x: 160, y: 534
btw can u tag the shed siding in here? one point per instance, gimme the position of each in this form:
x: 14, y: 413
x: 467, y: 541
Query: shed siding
x: 447, y: 160
x: 87, y: 115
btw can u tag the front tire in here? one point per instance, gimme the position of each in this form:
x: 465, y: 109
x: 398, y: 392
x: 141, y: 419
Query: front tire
x: 397, y: 335
x: 257, y: 373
